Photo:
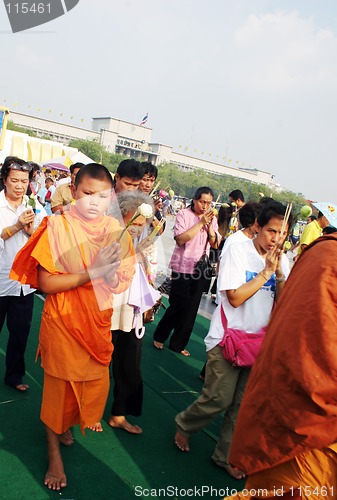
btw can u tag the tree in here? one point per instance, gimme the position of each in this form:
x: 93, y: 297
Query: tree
x: 185, y: 182
x: 99, y: 154
x: 17, y: 128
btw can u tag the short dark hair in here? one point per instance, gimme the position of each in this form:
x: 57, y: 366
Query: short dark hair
x: 329, y: 230
x: 149, y: 169
x: 202, y: 190
x: 273, y: 209
x: 76, y: 165
x: 199, y: 192
x: 249, y: 212
x: 131, y: 168
x: 6, y: 166
x: 35, y: 166
x: 94, y: 171
x: 265, y: 200
x: 237, y: 195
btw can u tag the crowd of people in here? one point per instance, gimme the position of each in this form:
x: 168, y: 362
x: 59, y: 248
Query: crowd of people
x: 270, y: 347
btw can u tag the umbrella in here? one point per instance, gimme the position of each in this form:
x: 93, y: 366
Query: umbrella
x: 329, y: 210
x: 56, y: 166
x: 69, y: 159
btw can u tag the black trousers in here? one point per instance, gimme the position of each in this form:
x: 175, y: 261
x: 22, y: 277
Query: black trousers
x: 184, y: 299
x: 127, y: 374
x: 17, y: 311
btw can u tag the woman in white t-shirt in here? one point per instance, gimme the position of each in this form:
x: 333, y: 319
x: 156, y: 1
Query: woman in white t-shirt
x: 251, y: 277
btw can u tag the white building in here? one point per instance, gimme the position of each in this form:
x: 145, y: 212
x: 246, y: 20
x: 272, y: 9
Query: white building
x: 118, y: 136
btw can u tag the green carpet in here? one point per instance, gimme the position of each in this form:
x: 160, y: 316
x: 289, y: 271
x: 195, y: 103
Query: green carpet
x: 114, y: 464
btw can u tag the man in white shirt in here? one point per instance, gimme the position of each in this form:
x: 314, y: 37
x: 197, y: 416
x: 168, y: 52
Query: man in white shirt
x: 251, y: 277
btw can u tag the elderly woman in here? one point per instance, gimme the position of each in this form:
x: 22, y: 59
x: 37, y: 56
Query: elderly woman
x: 127, y: 325
x: 16, y: 300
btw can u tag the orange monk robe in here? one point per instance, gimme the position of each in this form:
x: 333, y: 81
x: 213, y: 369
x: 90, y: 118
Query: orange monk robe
x: 72, y: 321
x: 290, y: 402
x: 75, y: 338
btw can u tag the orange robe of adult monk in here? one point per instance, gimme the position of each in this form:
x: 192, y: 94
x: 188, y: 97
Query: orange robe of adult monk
x: 290, y: 403
x: 75, y: 338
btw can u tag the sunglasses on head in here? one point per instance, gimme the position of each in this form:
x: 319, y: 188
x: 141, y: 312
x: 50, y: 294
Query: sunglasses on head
x: 24, y: 168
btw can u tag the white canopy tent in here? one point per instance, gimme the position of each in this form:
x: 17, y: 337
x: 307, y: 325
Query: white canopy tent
x: 69, y: 159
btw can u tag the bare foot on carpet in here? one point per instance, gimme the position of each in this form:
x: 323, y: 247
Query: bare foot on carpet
x: 182, y: 442
x: 120, y: 422
x: 96, y: 427
x: 234, y: 472
x: 66, y: 438
x: 55, y: 482
x: 158, y: 345
x: 55, y: 478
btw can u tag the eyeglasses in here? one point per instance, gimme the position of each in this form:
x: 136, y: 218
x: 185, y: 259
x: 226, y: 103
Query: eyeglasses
x: 24, y: 168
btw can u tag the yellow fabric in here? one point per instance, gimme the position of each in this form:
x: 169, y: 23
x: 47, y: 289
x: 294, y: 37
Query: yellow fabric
x: 67, y: 162
x: 34, y: 150
x: 312, y: 474
x: 311, y: 232
x: 57, y: 150
x: 18, y: 146
x: 46, y: 151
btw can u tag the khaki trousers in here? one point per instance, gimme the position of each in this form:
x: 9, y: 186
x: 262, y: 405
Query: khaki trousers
x: 222, y: 391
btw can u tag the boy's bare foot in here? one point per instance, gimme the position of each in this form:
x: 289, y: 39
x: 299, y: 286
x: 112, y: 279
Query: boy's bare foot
x: 66, y: 438
x: 96, y: 427
x: 120, y: 422
x: 234, y: 472
x: 158, y: 345
x: 55, y: 477
x: 55, y: 482
x: 181, y: 441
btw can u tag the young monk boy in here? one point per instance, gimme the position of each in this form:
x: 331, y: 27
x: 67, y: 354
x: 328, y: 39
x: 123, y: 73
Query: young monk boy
x: 74, y: 258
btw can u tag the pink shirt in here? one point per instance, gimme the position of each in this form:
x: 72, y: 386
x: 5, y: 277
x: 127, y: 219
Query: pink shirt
x: 185, y: 257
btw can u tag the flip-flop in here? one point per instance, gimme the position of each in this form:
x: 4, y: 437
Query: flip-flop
x: 21, y: 387
x: 185, y: 353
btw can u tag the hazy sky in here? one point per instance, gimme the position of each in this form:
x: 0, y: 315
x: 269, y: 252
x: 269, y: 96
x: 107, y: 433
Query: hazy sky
x: 253, y: 81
